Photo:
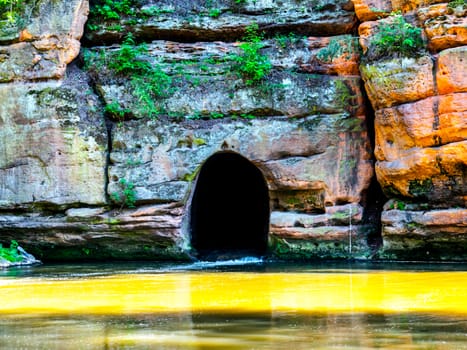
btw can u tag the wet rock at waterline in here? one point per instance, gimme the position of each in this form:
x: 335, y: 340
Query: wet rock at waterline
x: 146, y: 233
x: 339, y: 233
x: 417, y: 233
x: 26, y: 259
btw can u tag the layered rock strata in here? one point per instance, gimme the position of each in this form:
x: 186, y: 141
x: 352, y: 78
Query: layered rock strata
x: 303, y: 126
x: 421, y: 138
x: 160, y: 88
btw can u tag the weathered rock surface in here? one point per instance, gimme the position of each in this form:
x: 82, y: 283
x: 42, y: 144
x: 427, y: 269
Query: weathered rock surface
x: 204, y: 80
x: 47, y: 43
x: 160, y: 159
x: 64, y: 151
x: 399, y: 80
x: 25, y: 259
x: 420, y: 129
x: 411, y: 5
x: 146, y: 233
x: 450, y: 75
x: 445, y: 26
x: 430, y: 122
x: 194, y: 20
x: 425, y: 235
x: 371, y: 10
x: 436, y: 174
x: 338, y: 233
x: 52, y: 151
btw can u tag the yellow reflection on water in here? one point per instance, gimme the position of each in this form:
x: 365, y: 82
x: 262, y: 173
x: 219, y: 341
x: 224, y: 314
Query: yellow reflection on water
x: 370, y: 292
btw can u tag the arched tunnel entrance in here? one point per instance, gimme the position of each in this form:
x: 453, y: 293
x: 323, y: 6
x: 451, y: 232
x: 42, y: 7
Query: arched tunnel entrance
x: 230, y: 208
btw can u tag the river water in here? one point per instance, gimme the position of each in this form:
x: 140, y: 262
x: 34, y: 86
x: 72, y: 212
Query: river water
x: 244, y: 304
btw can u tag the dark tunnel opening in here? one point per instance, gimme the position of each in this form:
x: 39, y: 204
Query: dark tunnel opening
x: 229, y: 209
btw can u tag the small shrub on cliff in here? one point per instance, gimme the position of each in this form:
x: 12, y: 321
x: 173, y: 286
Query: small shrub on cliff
x: 343, y: 45
x: 148, y: 82
x: 251, y: 64
x: 396, y: 38
x: 126, y: 197
x: 128, y: 59
x: 112, y: 9
x: 11, y: 12
x: 457, y: 3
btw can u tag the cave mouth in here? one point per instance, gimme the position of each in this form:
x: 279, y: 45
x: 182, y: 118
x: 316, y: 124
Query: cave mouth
x: 229, y: 209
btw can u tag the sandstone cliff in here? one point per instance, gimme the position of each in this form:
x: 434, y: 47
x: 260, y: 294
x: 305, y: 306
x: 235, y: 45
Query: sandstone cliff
x: 101, y: 150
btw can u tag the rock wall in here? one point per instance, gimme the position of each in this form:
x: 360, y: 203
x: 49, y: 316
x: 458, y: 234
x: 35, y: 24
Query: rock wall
x: 100, y: 154
x: 420, y: 126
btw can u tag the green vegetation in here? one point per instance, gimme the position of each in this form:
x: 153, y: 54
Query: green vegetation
x: 11, y: 15
x: 149, y: 83
x: 457, y: 3
x: 127, y: 195
x: 115, y: 110
x: 112, y: 9
x: 9, y: 9
x: 117, y: 10
x: 396, y: 38
x: 251, y: 64
x: 128, y: 59
x: 11, y: 254
x: 421, y: 188
x: 283, y: 40
x: 399, y: 205
x: 154, y: 11
x: 337, y: 47
x: 214, y: 13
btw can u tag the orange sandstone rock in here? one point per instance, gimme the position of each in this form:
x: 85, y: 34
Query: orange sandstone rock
x: 365, y: 31
x: 337, y: 55
x: 433, y: 121
x: 451, y: 70
x: 444, y: 26
x: 437, y: 174
x: 410, y: 5
x: 370, y: 10
x: 24, y: 35
x: 399, y: 80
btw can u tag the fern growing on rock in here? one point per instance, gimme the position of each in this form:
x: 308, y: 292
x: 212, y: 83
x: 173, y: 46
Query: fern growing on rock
x: 396, y: 38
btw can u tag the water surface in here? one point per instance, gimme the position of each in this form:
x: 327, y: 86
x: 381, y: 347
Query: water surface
x: 234, y: 305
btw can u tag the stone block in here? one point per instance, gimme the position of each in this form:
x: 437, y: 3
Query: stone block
x: 49, y: 41
x: 399, y: 80
x: 445, y: 26
x: 304, y: 154
x: 371, y: 10
x: 51, y: 155
x: 430, y: 122
x: 190, y: 21
x: 434, y: 174
x: 437, y: 234
x: 450, y: 72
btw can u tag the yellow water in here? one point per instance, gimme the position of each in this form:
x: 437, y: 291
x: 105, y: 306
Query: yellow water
x: 370, y: 292
x: 302, y: 308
